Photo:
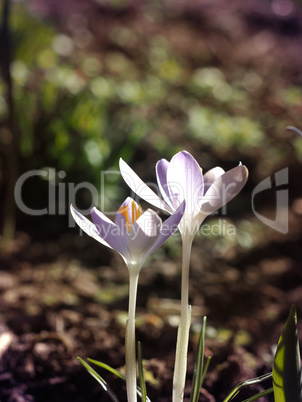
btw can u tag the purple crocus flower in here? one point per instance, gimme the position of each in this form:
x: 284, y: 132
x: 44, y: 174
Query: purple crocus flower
x: 183, y: 179
x: 178, y: 180
x: 134, y: 234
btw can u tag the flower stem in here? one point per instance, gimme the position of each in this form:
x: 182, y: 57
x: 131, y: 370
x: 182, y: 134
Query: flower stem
x: 180, y: 368
x: 130, y: 341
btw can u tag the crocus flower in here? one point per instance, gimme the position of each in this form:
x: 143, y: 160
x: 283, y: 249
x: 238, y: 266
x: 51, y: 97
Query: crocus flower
x: 183, y: 179
x: 134, y: 235
x: 178, y: 180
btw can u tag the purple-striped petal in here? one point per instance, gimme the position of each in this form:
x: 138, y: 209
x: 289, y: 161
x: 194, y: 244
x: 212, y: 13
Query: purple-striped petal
x: 161, y: 169
x: 110, y: 232
x: 87, y: 226
x: 140, y: 188
x: 149, y: 233
x: 224, y: 189
x: 185, y: 181
x: 169, y: 226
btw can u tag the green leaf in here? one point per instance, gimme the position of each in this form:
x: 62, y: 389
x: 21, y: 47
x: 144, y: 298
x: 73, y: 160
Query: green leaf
x: 99, y: 379
x: 199, y: 373
x: 141, y: 373
x: 287, y: 363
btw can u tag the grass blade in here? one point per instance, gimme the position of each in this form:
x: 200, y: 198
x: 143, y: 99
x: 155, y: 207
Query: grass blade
x: 199, y: 374
x: 205, y: 370
x: 99, y: 379
x: 108, y: 368
x: 141, y: 373
x: 257, y: 396
x: 246, y: 383
x: 115, y: 372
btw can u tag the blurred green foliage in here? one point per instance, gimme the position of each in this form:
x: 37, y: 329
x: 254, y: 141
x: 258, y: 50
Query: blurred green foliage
x: 80, y: 107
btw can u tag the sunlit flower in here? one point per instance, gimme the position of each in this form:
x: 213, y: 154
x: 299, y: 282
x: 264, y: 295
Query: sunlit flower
x: 134, y: 234
x: 183, y: 179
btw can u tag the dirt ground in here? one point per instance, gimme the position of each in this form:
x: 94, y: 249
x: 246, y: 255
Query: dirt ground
x: 53, y: 309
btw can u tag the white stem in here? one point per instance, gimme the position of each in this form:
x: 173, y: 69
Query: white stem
x: 130, y: 341
x: 180, y: 368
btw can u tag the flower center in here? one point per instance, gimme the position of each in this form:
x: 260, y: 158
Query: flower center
x: 135, y: 211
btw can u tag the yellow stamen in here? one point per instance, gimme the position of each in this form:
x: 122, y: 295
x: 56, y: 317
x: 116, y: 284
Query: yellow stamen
x: 133, y: 207
x: 135, y: 213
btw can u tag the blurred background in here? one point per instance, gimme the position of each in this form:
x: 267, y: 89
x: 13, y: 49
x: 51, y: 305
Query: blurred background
x: 85, y: 82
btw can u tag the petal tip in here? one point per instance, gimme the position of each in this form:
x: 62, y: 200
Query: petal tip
x: 93, y: 209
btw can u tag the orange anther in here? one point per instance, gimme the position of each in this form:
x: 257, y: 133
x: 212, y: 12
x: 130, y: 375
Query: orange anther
x: 135, y: 213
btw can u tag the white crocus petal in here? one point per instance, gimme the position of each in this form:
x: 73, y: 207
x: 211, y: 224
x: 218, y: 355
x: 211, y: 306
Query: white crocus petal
x: 142, y: 236
x: 87, y: 226
x: 224, y: 189
x: 185, y: 181
x: 140, y: 188
x: 211, y: 176
x: 161, y: 169
x: 124, y: 210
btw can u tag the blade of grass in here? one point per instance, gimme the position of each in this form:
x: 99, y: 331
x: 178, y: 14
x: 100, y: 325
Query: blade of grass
x: 246, y: 383
x: 108, y: 368
x: 141, y: 373
x: 198, y: 376
x: 257, y: 396
x: 99, y: 379
x: 205, y: 370
x: 115, y: 372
